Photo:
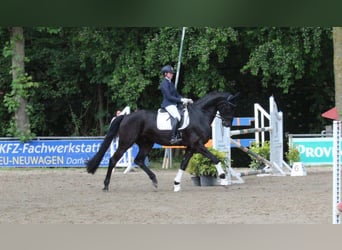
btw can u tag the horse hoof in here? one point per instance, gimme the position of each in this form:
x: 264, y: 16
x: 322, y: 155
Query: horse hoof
x: 154, y: 182
x: 176, y: 187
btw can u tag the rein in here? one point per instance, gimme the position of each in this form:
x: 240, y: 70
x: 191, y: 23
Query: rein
x: 222, y: 102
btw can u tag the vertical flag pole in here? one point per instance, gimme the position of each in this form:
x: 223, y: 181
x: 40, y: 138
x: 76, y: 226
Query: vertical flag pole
x: 168, y: 151
x: 179, y: 57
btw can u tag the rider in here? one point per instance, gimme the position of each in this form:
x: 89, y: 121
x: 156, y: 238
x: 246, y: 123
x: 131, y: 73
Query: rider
x: 170, y: 100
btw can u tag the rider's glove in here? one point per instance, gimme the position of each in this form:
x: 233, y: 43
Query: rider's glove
x: 186, y: 101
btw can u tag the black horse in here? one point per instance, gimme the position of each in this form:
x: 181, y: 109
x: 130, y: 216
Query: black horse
x: 140, y: 127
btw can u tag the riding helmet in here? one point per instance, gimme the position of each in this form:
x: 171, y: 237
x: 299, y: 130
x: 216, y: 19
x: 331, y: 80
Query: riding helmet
x: 167, y: 69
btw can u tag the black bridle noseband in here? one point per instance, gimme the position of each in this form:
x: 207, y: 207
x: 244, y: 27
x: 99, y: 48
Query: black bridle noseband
x: 225, y: 102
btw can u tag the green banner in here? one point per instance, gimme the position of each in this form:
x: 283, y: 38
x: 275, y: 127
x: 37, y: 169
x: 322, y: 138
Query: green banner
x: 314, y: 151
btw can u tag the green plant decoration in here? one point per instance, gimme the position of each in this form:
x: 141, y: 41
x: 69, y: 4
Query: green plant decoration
x: 200, y: 165
x: 263, y: 151
x: 292, y: 155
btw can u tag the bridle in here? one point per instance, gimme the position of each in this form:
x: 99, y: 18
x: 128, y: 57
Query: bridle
x: 225, y: 102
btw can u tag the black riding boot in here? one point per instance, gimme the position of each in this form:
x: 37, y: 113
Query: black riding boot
x: 175, y: 125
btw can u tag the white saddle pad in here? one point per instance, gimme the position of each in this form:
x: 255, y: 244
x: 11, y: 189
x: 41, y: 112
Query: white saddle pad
x: 164, y: 121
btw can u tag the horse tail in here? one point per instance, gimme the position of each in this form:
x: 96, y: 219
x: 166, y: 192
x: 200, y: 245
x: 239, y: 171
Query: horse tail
x: 94, y: 162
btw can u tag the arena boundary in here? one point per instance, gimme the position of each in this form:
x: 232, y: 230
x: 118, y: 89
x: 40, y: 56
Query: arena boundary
x: 336, y: 218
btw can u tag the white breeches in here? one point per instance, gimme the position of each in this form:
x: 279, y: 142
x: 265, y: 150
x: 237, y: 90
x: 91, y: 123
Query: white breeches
x: 173, y: 111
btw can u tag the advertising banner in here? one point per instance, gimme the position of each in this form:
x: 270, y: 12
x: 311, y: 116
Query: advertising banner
x: 49, y: 153
x: 314, y: 151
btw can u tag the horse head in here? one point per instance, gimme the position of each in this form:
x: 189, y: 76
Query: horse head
x: 226, y: 109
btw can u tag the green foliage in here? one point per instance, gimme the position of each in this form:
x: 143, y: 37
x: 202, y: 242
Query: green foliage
x: 200, y: 165
x: 16, y: 99
x: 262, y: 150
x: 282, y: 55
x: 21, y: 88
x: 7, y: 51
x: 206, y: 50
x: 77, y: 119
x: 292, y: 155
x: 49, y: 30
x: 114, y: 67
x: 193, y: 167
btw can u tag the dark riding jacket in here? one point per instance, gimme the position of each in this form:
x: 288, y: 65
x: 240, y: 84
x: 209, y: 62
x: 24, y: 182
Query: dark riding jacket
x: 170, y: 94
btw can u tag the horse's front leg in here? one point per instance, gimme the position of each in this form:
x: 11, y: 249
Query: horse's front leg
x: 204, y: 151
x: 184, y: 164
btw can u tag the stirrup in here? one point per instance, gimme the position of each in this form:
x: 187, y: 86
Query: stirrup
x: 175, y: 140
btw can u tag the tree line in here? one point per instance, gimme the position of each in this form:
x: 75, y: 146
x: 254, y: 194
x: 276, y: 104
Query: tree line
x: 69, y: 81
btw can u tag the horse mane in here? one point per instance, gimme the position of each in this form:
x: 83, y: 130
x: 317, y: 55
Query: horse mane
x: 209, y: 98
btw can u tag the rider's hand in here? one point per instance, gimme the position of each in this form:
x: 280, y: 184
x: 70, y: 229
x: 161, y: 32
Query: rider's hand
x: 186, y: 101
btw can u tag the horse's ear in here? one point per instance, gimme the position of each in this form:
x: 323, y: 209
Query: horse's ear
x: 236, y: 95
x: 232, y: 97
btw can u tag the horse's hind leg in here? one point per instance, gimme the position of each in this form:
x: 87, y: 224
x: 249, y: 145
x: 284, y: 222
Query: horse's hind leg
x: 152, y: 175
x: 112, y: 163
x: 144, y: 149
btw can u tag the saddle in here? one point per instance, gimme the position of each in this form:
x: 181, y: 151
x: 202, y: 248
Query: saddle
x: 164, y: 121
